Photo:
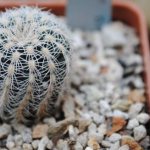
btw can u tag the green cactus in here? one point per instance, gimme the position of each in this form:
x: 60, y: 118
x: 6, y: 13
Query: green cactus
x: 34, y: 61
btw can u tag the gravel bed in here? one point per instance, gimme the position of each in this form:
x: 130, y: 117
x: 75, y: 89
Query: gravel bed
x: 102, y: 106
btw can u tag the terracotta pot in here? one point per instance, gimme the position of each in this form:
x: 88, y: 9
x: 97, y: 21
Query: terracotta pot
x: 124, y: 11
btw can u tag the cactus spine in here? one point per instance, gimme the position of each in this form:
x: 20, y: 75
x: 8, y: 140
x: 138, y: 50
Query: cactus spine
x: 34, y: 61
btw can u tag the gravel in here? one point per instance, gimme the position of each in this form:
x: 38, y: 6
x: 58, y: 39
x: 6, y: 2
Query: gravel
x: 102, y: 106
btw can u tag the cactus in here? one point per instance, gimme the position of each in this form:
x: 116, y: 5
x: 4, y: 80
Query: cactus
x: 34, y: 61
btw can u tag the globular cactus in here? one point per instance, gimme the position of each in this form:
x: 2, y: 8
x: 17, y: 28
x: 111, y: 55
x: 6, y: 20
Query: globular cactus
x: 34, y: 61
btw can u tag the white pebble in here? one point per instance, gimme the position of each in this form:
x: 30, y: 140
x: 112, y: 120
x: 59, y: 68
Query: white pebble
x: 139, y: 132
x: 82, y: 138
x: 135, y: 109
x: 119, y: 113
x: 43, y: 142
x: 106, y: 143
x: 143, y: 118
x: 49, y: 145
x: 114, y: 137
x: 78, y: 146
x: 104, y: 107
x: 27, y: 146
x: 115, y: 146
x: 124, y: 147
x: 88, y: 148
x: 35, y: 144
x: 132, y: 124
x: 10, y: 145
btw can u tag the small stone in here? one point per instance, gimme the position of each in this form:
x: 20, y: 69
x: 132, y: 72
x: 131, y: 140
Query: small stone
x: 40, y: 131
x: 136, y: 96
x: 92, y: 128
x: 83, y: 138
x: 26, y: 136
x: 145, y: 143
x: 88, y: 148
x: 49, y: 121
x: 69, y: 107
x: 27, y: 146
x: 72, y: 133
x: 105, y: 143
x: 5, y: 130
x: 78, y: 146
x: 83, y: 124
x: 135, y: 109
x: 132, y: 124
x: 143, y: 118
x: 18, y: 139
x: 104, y: 107
x: 43, y: 142
x: 98, y: 119
x: 115, y: 146
x: 139, y: 132
x: 128, y: 140
x: 124, y: 147
x: 102, y: 129
x: 117, y: 124
x: 17, y: 148
x: 10, y: 145
x: 62, y: 145
x: 49, y: 145
x: 122, y: 105
x: 114, y: 137
x: 93, y: 144
x: 35, y: 144
x: 119, y: 113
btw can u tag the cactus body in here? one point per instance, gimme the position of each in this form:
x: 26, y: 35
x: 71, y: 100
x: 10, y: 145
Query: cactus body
x: 34, y: 60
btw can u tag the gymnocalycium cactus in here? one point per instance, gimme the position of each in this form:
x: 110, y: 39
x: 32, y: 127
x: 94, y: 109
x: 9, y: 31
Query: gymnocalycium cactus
x: 34, y: 60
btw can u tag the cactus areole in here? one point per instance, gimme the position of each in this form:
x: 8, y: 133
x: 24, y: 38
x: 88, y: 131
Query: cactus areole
x: 34, y: 60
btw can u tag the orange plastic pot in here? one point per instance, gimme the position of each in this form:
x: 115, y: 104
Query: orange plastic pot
x: 124, y: 11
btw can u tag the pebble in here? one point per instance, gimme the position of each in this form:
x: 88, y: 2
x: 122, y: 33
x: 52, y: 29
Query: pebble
x: 132, y: 124
x: 43, y: 143
x: 27, y: 135
x: 124, y: 147
x: 135, y: 109
x: 119, y: 113
x: 61, y: 145
x: 114, y: 137
x: 49, y: 145
x: 5, y: 130
x: 83, y: 138
x: 18, y: 139
x: 27, y: 146
x: 10, y: 145
x: 78, y: 146
x: 139, y: 132
x: 98, y: 119
x: 104, y: 107
x: 143, y: 118
x: 93, y: 144
x: 39, y: 131
x: 130, y: 141
x: 115, y: 146
x: 88, y: 148
x: 106, y: 144
x: 35, y: 144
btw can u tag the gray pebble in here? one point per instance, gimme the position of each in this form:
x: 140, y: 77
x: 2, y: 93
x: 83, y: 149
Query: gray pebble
x: 139, y: 132
x: 132, y: 123
x: 114, y: 137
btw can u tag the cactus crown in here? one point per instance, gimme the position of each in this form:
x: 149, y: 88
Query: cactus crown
x: 34, y: 59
